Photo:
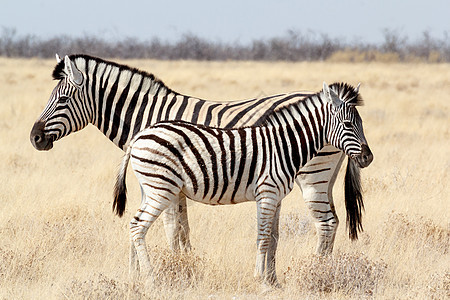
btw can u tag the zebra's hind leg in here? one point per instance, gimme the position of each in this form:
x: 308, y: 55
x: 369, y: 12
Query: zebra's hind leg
x: 148, y: 212
x: 133, y: 260
x: 134, y: 264
x: 322, y: 210
x: 316, y: 180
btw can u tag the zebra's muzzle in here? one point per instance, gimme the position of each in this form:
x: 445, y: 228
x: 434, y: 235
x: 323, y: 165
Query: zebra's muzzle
x: 39, y: 139
x: 366, y: 156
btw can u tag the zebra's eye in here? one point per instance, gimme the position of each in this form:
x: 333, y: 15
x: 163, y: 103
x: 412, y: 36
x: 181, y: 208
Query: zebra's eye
x: 63, y: 99
x: 347, y: 124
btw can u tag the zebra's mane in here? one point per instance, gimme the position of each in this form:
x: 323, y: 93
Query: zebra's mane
x: 345, y: 91
x: 58, y: 72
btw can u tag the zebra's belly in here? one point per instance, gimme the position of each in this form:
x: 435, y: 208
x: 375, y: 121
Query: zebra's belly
x: 221, y: 196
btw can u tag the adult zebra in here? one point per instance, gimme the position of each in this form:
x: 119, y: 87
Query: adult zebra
x: 120, y: 101
x: 227, y: 166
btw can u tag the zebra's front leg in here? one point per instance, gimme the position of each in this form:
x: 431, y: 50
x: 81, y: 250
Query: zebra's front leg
x: 133, y: 261
x: 316, y: 180
x: 184, y: 230
x: 176, y: 225
x: 271, y: 276
x: 266, y: 210
x: 171, y: 220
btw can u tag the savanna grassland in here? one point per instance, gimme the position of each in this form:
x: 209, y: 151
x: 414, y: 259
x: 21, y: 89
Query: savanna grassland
x: 59, y: 238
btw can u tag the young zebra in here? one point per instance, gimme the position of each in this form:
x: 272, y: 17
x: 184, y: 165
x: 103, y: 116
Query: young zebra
x: 227, y: 166
x: 120, y: 101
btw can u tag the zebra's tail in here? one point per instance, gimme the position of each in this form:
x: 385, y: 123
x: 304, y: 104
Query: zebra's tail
x: 353, y: 199
x: 120, y: 188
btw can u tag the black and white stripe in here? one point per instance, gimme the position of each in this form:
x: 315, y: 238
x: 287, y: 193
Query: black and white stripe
x: 120, y: 101
x: 227, y: 166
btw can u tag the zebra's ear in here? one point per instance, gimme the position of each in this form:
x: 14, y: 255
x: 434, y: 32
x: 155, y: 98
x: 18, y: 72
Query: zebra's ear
x: 356, y: 100
x: 58, y: 59
x: 357, y: 88
x: 331, y: 96
x: 71, y: 70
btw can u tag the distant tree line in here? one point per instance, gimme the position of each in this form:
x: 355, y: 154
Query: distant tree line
x: 292, y: 46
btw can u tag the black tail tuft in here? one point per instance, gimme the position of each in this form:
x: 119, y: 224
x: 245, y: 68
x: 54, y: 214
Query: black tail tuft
x: 120, y: 189
x: 353, y: 199
x: 120, y: 196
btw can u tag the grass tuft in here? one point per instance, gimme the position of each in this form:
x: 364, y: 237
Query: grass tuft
x: 176, y: 269
x: 423, y: 232
x: 349, y: 274
x: 294, y: 225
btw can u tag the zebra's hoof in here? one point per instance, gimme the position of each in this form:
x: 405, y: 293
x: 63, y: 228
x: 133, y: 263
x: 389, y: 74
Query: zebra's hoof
x: 267, y: 287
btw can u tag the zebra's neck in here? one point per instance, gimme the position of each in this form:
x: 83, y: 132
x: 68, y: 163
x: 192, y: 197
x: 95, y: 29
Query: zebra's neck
x: 302, y: 125
x: 119, y: 96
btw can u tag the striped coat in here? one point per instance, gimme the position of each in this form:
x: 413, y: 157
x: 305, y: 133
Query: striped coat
x: 120, y: 101
x: 228, y: 166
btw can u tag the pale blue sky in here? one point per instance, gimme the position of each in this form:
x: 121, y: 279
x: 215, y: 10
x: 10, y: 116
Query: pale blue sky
x: 226, y: 21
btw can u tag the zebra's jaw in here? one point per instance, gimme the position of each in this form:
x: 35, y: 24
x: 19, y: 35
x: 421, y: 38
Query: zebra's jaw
x: 39, y: 139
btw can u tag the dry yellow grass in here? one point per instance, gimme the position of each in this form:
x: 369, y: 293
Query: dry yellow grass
x: 59, y: 238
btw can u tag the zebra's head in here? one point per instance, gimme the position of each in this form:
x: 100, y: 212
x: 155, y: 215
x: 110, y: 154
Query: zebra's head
x: 65, y: 111
x: 345, y: 130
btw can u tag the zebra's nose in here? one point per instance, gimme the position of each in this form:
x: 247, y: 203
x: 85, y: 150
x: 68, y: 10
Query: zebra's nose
x: 366, y: 156
x: 38, y: 138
